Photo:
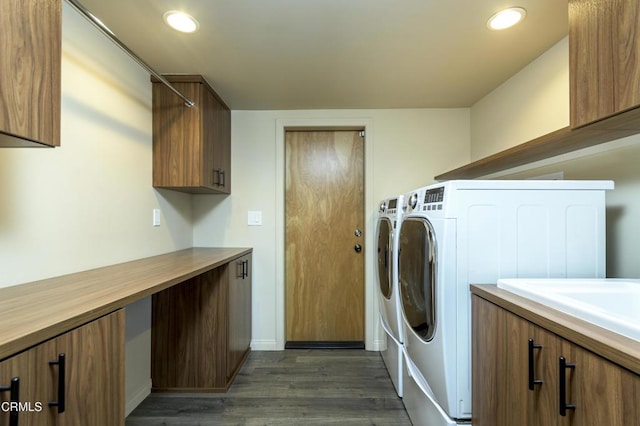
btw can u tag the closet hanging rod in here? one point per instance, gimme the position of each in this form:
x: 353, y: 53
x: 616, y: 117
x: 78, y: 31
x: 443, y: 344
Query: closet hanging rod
x: 106, y: 31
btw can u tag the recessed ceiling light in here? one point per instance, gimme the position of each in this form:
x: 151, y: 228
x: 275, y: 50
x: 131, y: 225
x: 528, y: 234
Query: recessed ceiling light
x: 506, y: 18
x: 181, y: 21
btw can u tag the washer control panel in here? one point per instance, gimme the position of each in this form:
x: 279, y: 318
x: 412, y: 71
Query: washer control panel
x: 392, y: 205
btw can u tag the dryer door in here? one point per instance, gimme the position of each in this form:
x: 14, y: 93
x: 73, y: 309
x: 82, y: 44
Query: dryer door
x: 416, y: 273
x: 384, y: 257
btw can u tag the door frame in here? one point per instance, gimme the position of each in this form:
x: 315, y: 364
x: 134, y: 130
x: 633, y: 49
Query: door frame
x: 371, y: 323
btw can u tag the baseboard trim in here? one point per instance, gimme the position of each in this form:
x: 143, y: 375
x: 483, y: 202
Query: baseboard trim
x: 264, y: 345
x: 378, y: 345
x: 324, y: 345
x: 137, y: 398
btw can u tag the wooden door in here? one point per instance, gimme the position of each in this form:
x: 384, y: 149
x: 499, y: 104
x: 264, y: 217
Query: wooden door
x: 324, y: 209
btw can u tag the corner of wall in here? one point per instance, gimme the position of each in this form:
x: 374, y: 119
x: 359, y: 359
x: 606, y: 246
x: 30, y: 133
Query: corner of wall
x: 532, y: 103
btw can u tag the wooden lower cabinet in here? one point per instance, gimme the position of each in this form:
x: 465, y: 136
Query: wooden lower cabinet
x: 201, y: 330
x: 517, y: 376
x: 239, y: 324
x: 91, y: 390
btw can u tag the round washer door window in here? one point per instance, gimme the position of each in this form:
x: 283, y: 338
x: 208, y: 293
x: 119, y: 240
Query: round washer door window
x: 384, y: 257
x: 416, y: 273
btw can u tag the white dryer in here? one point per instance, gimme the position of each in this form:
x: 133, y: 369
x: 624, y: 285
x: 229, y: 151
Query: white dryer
x: 389, y: 218
x: 459, y: 233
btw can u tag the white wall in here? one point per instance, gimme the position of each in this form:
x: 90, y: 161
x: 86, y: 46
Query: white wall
x: 404, y: 149
x: 535, y: 102
x: 89, y: 202
x: 532, y: 103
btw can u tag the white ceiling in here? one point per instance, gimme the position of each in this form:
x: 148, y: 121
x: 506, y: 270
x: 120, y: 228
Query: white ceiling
x: 325, y: 54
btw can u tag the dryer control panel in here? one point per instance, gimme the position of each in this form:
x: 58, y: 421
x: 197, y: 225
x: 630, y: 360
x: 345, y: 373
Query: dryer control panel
x: 435, y: 195
x: 433, y: 199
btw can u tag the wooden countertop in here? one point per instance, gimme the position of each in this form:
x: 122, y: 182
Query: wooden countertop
x: 612, y: 346
x: 34, y: 312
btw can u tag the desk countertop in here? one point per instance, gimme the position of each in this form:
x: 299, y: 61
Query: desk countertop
x: 34, y: 312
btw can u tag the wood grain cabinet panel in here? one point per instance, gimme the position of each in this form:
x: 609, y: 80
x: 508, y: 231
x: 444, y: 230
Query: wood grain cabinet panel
x: 201, y: 330
x: 191, y: 146
x: 30, y: 72
x: 239, y: 327
x: 93, y: 379
x: 515, y: 384
x: 604, y: 54
x: 95, y: 376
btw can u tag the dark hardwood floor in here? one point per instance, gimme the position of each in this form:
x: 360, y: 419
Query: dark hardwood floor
x: 292, y: 387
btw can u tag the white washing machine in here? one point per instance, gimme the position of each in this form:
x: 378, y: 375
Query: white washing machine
x: 388, y: 228
x: 458, y: 233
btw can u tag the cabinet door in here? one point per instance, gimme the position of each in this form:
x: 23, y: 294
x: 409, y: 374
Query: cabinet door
x: 239, y: 321
x: 223, y: 147
x: 217, y: 137
x: 602, y: 392
x: 603, y: 58
x: 487, y: 348
x: 543, y: 400
x: 36, y: 386
x: 30, y: 72
x: 501, y: 369
x: 91, y: 388
x: 501, y: 360
x: 514, y: 395
x: 177, y: 136
x: 94, y: 372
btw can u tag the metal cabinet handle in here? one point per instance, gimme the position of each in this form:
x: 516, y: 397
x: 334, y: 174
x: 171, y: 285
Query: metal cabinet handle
x: 223, y: 179
x: 215, y: 177
x: 532, y: 380
x: 14, y: 397
x: 61, y: 402
x: 563, y: 365
x: 240, y: 269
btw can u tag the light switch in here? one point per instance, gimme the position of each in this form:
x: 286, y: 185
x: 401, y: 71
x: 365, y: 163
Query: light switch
x: 254, y: 218
x: 156, y: 217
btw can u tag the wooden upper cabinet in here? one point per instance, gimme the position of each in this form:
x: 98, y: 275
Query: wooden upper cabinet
x: 191, y: 146
x: 604, y: 54
x: 30, y: 40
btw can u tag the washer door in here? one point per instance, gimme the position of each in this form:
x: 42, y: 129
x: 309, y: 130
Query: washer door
x: 416, y: 273
x: 384, y: 257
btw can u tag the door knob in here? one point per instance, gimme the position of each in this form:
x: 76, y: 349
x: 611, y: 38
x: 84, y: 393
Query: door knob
x: 357, y: 248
